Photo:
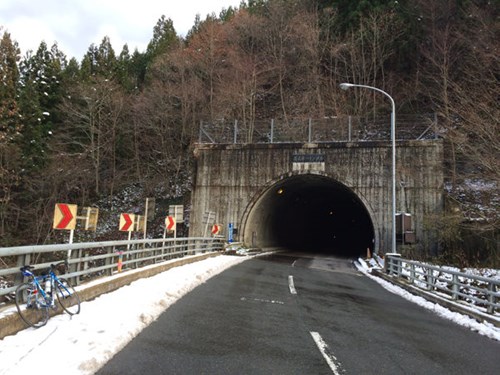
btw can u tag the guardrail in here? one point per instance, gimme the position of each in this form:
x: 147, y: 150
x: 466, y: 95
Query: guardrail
x: 481, y: 292
x: 96, y: 259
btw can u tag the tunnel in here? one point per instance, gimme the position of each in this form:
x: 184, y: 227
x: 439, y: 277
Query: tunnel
x: 310, y: 213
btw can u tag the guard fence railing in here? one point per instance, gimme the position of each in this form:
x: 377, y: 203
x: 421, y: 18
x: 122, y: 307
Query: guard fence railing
x: 322, y: 130
x: 480, y: 292
x: 90, y: 260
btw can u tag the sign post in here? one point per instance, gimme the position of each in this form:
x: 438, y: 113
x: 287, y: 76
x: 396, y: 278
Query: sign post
x: 65, y: 219
x: 208, y: 217
x: 149, y: 213
x: 90, y: 218
x: 170, y: 225
x: 127, y: 225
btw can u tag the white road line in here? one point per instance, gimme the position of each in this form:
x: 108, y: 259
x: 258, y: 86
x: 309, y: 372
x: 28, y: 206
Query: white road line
x: 263, y: 300
x: 290, y: 285
x: 325, y: 351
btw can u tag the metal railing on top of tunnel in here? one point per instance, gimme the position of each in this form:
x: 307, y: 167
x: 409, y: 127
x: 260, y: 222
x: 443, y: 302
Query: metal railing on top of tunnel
x: 91, y: 260
x: 331, y: 129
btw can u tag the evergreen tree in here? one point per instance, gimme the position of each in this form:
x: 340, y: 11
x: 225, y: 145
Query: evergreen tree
x: 39, y: 99
x: 106, y: 62
x: 10, y: 127
x: 164, y: 38
x: 99, y: 61
x: 9, y: 78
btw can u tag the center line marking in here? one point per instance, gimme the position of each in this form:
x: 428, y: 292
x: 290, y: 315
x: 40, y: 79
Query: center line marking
x: 325, y: 351
x: 290, y: 285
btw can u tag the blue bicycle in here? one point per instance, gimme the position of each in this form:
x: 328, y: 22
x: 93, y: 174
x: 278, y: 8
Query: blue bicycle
x: 36, y: 297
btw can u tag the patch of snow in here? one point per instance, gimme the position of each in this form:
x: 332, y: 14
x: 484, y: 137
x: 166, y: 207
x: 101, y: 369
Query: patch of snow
x: 104, y: 325
x: 485, y: 328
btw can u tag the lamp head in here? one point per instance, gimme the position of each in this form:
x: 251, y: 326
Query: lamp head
x: 345, y: 86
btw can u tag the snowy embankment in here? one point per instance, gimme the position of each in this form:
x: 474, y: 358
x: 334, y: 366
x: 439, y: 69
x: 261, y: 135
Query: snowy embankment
x: 485, y: 328
x: 83, y: 343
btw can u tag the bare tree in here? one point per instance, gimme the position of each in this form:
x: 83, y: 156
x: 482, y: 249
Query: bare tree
x: 362, y: 59
x: 93, y: 116
x: 459, y: 73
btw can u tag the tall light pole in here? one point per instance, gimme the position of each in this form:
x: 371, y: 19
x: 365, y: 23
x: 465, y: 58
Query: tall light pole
x: 345, y: 86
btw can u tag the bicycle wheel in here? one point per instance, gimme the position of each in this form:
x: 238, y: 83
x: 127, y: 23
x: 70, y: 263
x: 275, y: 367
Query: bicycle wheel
x: 67, y: 296
x: 31, y: 305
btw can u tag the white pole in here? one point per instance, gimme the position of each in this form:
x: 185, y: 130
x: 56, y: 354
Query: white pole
x: 71, y: 235
x: 345, y: 86
x: 146, y: 217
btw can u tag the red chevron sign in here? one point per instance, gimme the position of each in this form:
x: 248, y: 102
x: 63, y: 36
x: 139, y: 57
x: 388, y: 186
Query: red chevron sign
x: 65, y: 216
x: 127, y: 222
x: 215, y: 229
x: 170, y: 223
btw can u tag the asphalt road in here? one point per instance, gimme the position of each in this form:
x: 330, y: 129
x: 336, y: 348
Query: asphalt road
x: 293, y: 314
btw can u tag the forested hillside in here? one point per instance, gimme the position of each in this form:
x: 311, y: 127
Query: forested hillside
x: 82, y: 131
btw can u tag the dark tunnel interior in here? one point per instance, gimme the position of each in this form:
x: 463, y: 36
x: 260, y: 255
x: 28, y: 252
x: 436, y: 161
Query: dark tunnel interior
x: 312, y: 213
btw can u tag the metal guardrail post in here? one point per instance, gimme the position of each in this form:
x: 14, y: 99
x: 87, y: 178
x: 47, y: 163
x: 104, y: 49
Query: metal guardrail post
x: 412, y: 274
x: 392, y: 263
x: 22, y: 260
x: 72, y: 268
x: 455, y: 288
x: 78, y: 266
x: 429, y: 279
x: 491, y: 298
x: 109, y: 261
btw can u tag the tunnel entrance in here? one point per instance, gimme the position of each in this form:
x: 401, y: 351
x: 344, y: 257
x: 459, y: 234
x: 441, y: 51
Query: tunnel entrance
x: 311, y: 213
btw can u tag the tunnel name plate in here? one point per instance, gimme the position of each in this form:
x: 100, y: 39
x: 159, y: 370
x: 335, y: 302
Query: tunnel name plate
x: 301, y: 162
x: 308, y: 158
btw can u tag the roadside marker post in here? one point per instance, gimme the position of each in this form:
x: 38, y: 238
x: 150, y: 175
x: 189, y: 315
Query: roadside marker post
x: 65, y: 216
x: 120, y: 261
x: 170, y: 226
x: 208, y: 217
x: 127, y: 225
x: 149, y: 213
x: 215, y: 229
x: 65, y: 219
x: 127, y: 222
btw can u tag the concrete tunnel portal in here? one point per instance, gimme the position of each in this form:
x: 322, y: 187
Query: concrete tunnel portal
x: 310, y: 213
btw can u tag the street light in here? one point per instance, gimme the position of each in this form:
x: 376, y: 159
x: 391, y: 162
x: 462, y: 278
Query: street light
x: 345, y: 86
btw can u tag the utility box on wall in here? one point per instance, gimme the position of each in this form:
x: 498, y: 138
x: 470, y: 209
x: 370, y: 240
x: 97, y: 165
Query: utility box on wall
x: 404, y: 233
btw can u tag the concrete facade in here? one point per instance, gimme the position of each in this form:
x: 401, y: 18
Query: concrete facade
x: 239, y: 183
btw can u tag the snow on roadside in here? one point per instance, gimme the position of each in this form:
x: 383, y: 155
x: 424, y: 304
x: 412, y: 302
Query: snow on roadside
x: 84, y: 343
x: 485, y: 328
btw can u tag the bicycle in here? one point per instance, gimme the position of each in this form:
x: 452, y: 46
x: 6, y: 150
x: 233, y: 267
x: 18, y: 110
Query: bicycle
x: 35, y: 298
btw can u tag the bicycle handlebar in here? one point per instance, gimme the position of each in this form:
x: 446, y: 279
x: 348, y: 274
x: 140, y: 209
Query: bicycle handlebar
x: 27, y: 268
